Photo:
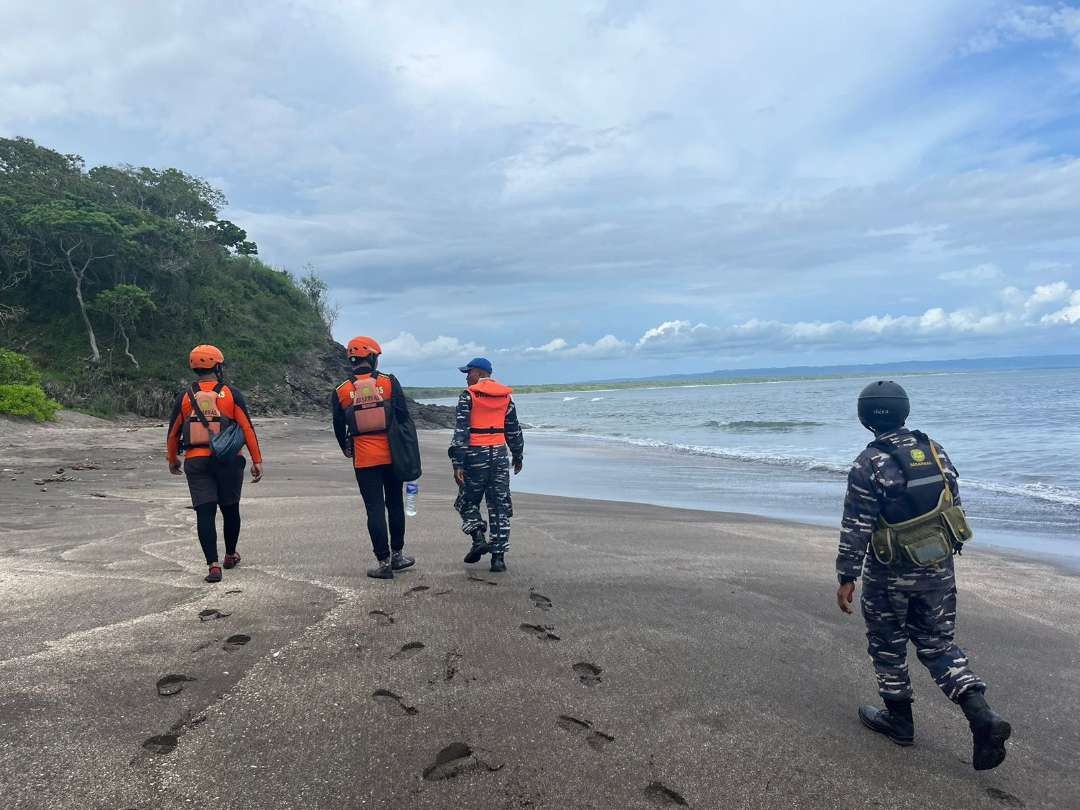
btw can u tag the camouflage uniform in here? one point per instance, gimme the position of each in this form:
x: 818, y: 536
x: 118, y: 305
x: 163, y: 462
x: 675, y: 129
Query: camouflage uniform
x: 901, y: 602
x: 487, y: 474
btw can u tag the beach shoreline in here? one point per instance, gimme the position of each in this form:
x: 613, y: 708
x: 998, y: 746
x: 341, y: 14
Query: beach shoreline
x: 727, y: 677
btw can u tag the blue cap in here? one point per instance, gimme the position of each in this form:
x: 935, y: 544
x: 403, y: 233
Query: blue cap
x: 481, y: 363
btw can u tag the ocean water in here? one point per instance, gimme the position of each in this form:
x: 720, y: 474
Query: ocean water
x: 782, y: 449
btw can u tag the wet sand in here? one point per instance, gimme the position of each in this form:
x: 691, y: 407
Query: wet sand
x: 633, y: 656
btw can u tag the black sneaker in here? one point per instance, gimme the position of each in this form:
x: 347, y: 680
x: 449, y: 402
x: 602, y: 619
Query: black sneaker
x: 898, y: 729
x: 384, y: 570
x: 215, y: 573
x: 498, y: 565
x: 400, y: 561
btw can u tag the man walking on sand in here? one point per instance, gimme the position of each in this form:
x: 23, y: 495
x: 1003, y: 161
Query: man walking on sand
x: 486, y: 425
x: 903, y: 505
x: 364, y: 409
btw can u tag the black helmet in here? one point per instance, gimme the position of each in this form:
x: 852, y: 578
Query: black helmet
x: 883, y: 406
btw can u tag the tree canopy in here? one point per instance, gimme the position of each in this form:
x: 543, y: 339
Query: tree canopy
x: 100, y: 266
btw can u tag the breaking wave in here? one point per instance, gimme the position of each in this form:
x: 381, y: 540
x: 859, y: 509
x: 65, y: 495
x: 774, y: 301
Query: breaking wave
x: 754, y: 426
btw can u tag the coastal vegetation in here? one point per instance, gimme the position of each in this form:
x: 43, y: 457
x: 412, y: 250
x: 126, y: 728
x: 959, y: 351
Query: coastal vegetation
x: 109, y: 275
x: 21, y: 393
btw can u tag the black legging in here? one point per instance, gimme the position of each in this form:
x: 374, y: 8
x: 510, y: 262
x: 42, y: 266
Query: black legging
x: 205, y: 515
x: 383, y: 495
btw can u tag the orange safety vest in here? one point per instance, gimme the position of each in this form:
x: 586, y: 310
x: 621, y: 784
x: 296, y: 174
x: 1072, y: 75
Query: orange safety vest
x: 217, y: 406
x: 487, y: 419
x: 369, y: 449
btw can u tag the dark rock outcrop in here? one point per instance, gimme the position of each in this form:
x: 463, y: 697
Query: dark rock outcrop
x: 304, y: 388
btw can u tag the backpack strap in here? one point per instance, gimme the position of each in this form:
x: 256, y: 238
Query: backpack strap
x: 195, y: 403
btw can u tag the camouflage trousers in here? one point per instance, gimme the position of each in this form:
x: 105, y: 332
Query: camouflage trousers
x: 927, y: 618
x: 487, y: 476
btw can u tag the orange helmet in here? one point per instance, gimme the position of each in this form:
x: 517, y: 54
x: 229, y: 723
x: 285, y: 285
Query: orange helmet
x: 205, y: 357
x: 362, y: 346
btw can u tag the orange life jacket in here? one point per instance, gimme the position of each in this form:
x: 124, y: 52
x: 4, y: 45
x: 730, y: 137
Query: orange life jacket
x: 371, y: 449
x: 366, y: 407
x: 216, y: 405
x: 487, y: 422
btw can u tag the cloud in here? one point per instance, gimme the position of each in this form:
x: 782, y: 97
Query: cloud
x: 1046, y: 306
x: 1028, y: 23
x: 406, y: 350
x: 706, y: 169
x: 606, y: 347
x: 980, y: 274
x: 1069, y: 314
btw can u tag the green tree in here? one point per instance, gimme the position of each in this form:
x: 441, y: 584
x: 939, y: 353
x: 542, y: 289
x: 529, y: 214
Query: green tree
x: 318, y: 292
x: 72, y: 239
x: 125, y: 304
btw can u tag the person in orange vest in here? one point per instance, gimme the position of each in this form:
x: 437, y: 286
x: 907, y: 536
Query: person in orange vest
x: 486, y: 426
x: 361, y: 409
x: 202, y: 410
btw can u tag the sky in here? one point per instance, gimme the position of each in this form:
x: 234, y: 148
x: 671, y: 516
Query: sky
x: 589, y: 190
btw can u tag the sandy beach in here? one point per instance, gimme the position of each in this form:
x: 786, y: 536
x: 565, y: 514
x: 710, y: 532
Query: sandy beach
x: 633, y: 656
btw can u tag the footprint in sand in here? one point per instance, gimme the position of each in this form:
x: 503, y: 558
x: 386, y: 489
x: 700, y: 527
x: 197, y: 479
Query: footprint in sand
x: 236, y: 642
x: 418, y: 589
x: 210, y: 614
x: 475, y: 578
x: 1004, y: 798
x: 161, y: 744
x: 542, y: 632
x: 165, y: 743
x: 381, y: 617
x: 393, y: 701
x: 458, y: 758
x: 588, y: 674
x: 453, y: 658
x: 660, y: 794
x: 234, y: 590
x: 539, y: 601
x: 172, y: 684
x: 408, y: 650
x: 597, y: 740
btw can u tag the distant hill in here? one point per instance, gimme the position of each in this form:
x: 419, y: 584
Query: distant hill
x: 899, y: 367
x: 790, y: 373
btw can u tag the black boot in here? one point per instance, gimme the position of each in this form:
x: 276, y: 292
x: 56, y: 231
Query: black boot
x: 399, y: 560
x: 498, y: 565
x: 384, y: 570
x: 988, y: 731
x: 479, y: 547
x: 894, y: 721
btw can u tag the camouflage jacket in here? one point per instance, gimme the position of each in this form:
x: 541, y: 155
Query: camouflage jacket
x: 459, y: 444
x: 874, y: 478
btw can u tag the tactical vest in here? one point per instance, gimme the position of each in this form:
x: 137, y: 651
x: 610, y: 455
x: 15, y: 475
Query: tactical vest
x: 212, y: 405
x: 922, y: 522
x: 367, y: 407
x: 487, y: 418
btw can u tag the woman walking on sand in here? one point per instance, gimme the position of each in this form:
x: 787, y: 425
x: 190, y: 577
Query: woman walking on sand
x: 215, y: 474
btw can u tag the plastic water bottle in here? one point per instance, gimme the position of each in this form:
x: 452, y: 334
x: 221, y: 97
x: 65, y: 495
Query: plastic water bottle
x: 412, y: 489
